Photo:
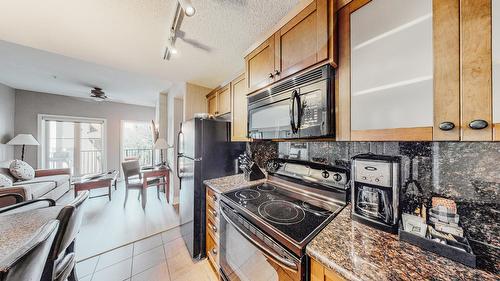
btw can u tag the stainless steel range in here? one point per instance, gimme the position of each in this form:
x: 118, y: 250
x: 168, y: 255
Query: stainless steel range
x: 265, y: 228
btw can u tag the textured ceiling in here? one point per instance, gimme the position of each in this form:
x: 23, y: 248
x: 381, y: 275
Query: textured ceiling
x: 130, y: 35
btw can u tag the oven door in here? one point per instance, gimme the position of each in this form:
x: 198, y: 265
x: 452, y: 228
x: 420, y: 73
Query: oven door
x: 246, y: 254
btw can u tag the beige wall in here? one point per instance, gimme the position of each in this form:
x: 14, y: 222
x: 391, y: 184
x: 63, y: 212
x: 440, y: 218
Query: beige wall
x: 7, y: 104
x: 29, y: 104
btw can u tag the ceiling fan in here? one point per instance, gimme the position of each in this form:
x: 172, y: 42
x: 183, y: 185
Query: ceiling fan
x: 98, y: 94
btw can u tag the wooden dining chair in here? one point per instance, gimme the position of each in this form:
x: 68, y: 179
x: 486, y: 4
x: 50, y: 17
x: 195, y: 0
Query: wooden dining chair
x: 133, y: 180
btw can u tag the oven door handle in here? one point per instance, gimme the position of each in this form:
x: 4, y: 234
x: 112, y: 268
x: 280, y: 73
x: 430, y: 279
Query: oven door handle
x: 266, y: 251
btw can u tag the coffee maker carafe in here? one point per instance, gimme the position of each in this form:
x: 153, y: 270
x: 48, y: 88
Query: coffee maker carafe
x: 375, y: 190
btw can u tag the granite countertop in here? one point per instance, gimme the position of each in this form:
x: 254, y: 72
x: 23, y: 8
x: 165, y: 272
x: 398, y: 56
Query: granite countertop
x: 359, y: 252
x: 18, y: 229
x: 225, y: 184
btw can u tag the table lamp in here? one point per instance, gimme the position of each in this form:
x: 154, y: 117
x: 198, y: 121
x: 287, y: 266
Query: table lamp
x: 161, y: 144
x: 23, y: 139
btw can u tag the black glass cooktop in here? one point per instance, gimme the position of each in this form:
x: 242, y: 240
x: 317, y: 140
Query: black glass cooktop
x: 274, y: 205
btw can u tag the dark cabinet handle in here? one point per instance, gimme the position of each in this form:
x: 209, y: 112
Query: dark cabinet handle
x: 271, y: 76
x: 446, y: 126
x: 478, y: 124
x: 276, y: 73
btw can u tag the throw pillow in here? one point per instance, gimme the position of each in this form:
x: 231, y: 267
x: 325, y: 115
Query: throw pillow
x: 21, y: 170
x: 5, y: 181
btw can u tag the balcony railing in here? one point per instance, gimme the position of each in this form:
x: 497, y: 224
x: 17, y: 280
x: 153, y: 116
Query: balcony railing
x: 145, y: 155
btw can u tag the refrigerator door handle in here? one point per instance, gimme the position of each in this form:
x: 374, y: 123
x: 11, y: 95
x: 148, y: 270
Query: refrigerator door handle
x: 179, y: 156
x: 179, y: 143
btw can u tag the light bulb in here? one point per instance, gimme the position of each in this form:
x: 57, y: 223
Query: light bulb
x: 190, y: 11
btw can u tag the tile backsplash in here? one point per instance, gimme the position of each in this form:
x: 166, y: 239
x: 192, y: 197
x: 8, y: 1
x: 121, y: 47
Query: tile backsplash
x: 467, y: 172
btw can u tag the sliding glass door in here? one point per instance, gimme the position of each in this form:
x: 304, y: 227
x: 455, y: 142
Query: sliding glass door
x: 72, y: 142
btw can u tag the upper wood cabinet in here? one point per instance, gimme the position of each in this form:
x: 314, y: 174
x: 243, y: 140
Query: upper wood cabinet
x: 391, y: 68
x: 303, y: 41
x: 239, y: 114
x: 306, y: 40
x: 260, y: 65
x: 212, y: 103
x: 496, y: 67
x: 224, y: 100
x: 476, y: 69
x: 415, y: 70
x: 219, y: 101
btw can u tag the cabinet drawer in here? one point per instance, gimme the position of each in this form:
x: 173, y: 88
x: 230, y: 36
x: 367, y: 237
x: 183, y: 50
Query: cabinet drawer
x: 212, y: 197
x: 212, y: 251
x: 212, y: 214
x: 213, y: 228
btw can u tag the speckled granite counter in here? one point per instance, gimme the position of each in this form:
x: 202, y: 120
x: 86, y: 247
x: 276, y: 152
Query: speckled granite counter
x: 359, y: 252
x: 17, y: 229
x: 229, y: 183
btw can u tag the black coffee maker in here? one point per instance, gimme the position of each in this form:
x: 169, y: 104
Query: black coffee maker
x: 375, y: 190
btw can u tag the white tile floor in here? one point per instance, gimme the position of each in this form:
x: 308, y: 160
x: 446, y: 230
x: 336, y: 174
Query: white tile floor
x: 162, y: 257
x: 110, y: 224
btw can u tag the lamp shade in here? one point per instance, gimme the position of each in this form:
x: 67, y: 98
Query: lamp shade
x: 161, y: 143
x: 23, y: 139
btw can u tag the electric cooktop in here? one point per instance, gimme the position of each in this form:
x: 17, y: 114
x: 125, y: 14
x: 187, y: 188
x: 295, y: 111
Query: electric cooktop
x: 294, y: 215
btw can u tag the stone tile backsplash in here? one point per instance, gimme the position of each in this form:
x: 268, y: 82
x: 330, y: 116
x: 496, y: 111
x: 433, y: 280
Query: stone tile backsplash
x: 467, y: 172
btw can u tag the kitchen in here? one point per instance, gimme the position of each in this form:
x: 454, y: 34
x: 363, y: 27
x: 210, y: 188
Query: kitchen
x: 366, y: 137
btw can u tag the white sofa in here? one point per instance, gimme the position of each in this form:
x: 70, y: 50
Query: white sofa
x: 51, y: 183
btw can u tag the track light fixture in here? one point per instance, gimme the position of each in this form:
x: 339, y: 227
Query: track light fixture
x: 183, y: 7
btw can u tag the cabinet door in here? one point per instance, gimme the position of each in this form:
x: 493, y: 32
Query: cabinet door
x: 303, y: 41
x: 320, y: 273
x: 476, y: 55
x: 260, y: 65
x: 391, y: 70
x: 496, y: 67
x: 224, y: 100
x: 212, y: 104
x: 239, y: 110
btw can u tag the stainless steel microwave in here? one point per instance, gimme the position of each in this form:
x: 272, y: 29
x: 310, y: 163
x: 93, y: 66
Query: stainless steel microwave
x: 302, y: 106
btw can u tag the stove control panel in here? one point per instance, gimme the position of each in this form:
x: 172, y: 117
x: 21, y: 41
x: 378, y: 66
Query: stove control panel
x: 330, y: 176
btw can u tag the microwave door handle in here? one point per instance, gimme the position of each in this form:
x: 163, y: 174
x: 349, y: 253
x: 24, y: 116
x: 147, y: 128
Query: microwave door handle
x: 292, y: 112
x: 266, y: 251
x: 299, y: 111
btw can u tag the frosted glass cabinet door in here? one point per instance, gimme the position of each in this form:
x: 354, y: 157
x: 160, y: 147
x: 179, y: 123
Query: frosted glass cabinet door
x: 392, y: 65
x: 496, y: 66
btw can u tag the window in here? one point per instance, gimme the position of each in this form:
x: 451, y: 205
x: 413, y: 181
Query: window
x: 137, y: 142
x: 72, y: 142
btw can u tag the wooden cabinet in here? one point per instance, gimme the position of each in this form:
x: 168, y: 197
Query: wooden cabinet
x: 212, y: 104
x: 239, y: 111
x: 416, y: 73
x: 496, y: 67
x: 306, y: 40
x: 212, y: 229
x: 476, y: 56
x: 391, y: 69
x: 224, y: 100
x: 303, y: 41
x: 219, y: 101
x: 260, y: 66
x: 321, y: 273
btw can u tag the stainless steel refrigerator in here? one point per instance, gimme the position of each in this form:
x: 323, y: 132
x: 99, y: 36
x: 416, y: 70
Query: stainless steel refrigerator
x: 205, y: 152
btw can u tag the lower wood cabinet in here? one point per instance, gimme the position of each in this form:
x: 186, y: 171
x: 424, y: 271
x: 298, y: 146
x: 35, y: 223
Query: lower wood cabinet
x: 321, y: 273
x: 212, y: 227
